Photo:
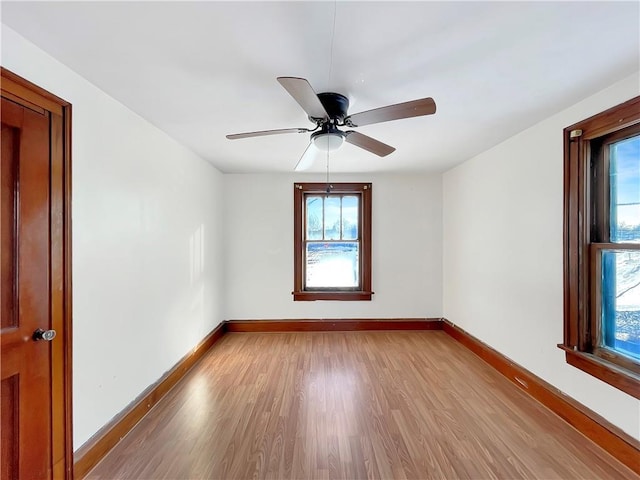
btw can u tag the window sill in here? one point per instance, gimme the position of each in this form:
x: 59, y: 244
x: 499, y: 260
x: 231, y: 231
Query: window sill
x: 614, y: 375
x: 340, y: 296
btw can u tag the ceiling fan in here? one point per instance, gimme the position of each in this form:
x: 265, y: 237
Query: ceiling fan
x: 329, y: 111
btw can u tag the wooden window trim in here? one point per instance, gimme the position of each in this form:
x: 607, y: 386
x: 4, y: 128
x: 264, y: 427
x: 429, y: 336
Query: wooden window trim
x: 299, y: 192
x: 582, y: 249
x: 608, y: 372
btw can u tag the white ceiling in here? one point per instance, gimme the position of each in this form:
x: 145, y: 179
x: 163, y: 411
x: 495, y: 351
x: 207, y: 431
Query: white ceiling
x: 201, y: 70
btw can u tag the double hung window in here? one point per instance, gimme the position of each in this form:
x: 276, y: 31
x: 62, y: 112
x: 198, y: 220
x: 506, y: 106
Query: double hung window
x: 602, y: 246
x: 332, y: 241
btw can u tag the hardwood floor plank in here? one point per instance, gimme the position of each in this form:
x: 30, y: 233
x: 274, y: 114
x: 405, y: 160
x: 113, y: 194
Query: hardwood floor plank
x: 350, y: 405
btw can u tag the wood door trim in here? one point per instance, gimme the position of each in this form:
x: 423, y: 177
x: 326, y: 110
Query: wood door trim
x: 21, y: 101
x: 21, y: 89
x: 29, y: 95
x: 609, y: 437
x: 333, y: 324
x: 94, y: 449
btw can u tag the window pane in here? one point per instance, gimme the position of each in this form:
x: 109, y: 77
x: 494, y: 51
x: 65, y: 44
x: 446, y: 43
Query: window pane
x: 624, y: 171
x: 332, y: 218
x: 332, y: 265
x: 621, y: 301
x: 314, y: 218
x: 350, y: 217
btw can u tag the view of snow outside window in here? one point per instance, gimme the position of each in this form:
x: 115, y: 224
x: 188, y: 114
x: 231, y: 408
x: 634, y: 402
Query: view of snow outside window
x: 332, y: 253
x: 622, y: 300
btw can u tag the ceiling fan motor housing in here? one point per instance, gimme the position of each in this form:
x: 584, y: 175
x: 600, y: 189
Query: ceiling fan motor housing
x: 335, y: 104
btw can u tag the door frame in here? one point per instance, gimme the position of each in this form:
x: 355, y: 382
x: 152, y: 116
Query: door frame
x: 29, y: 95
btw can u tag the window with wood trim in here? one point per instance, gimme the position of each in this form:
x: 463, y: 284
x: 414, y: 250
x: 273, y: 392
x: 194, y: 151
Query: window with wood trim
x: 602, y: 246
x: 332, y: 241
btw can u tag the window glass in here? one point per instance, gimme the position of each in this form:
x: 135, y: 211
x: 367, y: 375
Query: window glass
x: 621, y: 301
x: 332, y: 217
x: 314, y: 216
x: 350, y: 210
x: 330, y: 261
x: 332, y: 265
x: 624, y: 190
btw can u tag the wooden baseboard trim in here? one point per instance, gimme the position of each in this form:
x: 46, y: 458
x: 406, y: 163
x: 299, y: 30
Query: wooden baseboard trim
x: 333, y: 324
x: 94, y: 449
x: 616, y: 442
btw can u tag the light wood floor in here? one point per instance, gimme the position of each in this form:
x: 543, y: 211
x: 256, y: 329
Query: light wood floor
x: 351, y: 405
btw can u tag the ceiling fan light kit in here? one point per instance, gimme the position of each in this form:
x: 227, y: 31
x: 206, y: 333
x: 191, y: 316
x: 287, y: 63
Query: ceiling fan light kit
x: 329, y: 111
x: 329, y: 139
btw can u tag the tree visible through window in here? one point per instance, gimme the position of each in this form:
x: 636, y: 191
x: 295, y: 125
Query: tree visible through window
x: 332, y: 241
x: 602, y: 246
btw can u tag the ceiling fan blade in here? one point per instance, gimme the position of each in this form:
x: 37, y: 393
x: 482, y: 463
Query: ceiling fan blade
x: 370, y: 144
x: 414, y: 108
x: 264, y: 133
x: 301, y: 91
x: 306, y: 159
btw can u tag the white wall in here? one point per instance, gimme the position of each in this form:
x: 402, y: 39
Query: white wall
x: 147, y: 243
x: 406, y: 248
x: 503, y: 254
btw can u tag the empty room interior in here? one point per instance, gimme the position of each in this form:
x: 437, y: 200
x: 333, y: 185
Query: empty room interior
x: 333, y: 239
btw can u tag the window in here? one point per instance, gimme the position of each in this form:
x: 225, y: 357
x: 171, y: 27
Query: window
x: 602, y: 246
x: 332, y: 241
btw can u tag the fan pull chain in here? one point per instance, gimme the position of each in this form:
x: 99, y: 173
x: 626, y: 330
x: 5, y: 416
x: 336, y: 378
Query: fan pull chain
x: 328, y: 184
x: 333, y: 34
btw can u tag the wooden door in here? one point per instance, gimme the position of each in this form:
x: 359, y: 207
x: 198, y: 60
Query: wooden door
x: 35, y: 283
x: 25, y: 271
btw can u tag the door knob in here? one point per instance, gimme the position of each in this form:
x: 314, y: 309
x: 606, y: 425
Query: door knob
x: 46, y: 335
